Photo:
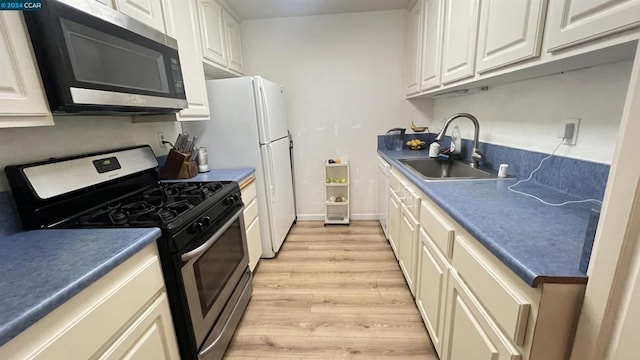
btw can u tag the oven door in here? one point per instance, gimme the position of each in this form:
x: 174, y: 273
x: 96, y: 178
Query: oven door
x: 211, y: 272
x: 95, y: 59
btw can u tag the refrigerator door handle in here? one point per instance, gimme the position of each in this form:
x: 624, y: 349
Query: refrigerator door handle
x: 272, y: 185
x: 265, y: 114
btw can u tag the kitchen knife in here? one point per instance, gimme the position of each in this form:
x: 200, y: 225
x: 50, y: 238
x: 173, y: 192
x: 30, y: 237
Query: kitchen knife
x: 185, y: 140
x: 175, y: 143
x: 194, y: 149
x: 179, y: 141
x: 187, y: 145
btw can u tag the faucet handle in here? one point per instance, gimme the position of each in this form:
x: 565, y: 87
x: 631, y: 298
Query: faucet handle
x: 476, y: 156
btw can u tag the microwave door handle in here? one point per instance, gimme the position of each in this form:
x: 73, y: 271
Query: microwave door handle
x: 209, y: 243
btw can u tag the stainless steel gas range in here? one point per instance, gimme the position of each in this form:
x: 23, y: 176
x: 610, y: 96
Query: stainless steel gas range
x: 203, y: 248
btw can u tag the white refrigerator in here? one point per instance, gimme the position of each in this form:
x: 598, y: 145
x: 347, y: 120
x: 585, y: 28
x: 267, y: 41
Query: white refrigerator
x: 248, y: 128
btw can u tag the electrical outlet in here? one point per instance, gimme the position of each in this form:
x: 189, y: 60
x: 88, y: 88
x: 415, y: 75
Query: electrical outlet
x: 161, y: 139
x: 568, y: 130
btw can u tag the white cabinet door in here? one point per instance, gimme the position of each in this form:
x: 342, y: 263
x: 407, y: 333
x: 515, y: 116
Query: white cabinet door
x: 148, y: 12
x: 149, y: 337
x: 460, y: 37
x: 109, y: 3
x: 254, y: 243
x: 184, y: 27
x: 510, y: 31
x: 213, y: 32
x: 432, y: 17
x: 22, y: 98
x: 234, y: 40
x: 431, y: 289
x: 412, y: 81
x: 394, y: 218
x: 575, y: 21
x: 468, y: 331
x: 408, y: 247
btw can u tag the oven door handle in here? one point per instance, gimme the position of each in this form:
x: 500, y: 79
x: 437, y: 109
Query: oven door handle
x: 209, y: 243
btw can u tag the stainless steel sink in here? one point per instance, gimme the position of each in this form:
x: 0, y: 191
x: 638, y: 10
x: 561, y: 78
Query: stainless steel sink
x: 431, y: 169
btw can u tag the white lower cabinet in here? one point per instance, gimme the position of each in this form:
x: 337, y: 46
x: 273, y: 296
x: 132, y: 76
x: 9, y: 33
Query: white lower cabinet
x: 125, y: 314
x: 472, y: 304
x: 147, y: 337
x: 469, y: 332
x: 394, y: 220
x: 408, y: 247
x: 431, y: 288
x: 251, y: 221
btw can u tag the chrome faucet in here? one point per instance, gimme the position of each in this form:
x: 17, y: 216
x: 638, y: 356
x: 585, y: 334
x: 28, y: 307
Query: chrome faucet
x: 476, y: 156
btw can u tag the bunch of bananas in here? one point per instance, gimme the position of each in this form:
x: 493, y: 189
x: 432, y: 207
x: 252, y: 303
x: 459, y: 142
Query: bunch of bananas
x: 418, y: 129
x: 415, y: 144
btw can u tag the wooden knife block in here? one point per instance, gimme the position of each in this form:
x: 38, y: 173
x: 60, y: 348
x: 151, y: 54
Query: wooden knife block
x: 178, y: 166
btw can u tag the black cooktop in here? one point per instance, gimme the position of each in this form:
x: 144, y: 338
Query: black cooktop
x: 156, y: 205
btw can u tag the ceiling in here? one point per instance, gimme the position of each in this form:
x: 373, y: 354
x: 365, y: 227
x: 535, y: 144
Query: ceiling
x: 264, y: 9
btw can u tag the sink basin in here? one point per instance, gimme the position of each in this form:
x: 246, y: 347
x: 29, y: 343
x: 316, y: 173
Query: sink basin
x: 431, y: 169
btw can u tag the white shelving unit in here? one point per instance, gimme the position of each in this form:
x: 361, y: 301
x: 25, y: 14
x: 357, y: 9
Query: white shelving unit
x: 336, y: 193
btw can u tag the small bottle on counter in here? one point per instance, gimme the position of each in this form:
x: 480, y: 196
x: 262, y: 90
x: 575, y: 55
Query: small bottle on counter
x: 434, y: 149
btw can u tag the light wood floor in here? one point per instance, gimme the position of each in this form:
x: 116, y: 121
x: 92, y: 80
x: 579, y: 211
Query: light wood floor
x: 333, y: 292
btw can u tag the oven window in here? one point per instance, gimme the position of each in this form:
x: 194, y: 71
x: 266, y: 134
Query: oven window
x: 100, y: 58
x: 215, y: 267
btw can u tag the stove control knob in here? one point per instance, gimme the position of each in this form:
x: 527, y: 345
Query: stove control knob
x: 206, y: 221
x: 229, y: 201
x: 197, y: 227
x: 236, y: 197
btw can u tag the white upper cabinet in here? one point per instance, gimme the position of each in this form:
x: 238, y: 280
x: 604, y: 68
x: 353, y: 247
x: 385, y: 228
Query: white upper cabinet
x: 234, y: 39
x: 460, y: 35
x: 213, y: 32
x: 184, y: 27
x: 510, y: 31
x: 109, y: 3
x: 432, y: 16
x: 575, y: 21
x: 148, y: 12
x: 22, y: 98
x: 412, y: 80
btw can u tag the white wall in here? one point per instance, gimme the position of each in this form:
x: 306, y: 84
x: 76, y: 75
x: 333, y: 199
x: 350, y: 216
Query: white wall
x: 77, y: 135
x: 526, y: 114
x: 344, y: 79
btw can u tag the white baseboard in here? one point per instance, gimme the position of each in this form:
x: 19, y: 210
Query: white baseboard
x: 364, y: 216
x: 312, y: 217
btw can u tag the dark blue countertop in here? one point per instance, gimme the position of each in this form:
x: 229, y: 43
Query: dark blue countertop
x: 42, y: 269
x: 236, y: 174
x: 538, y: 242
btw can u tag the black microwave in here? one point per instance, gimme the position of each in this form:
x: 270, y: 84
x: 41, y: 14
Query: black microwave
x: 95, y: 60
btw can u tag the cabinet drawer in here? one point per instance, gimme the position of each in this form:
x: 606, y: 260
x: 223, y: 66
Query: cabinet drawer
x: 506, y: 306
x: 437, y: 228
x: 250, y: 212
x: 249, y: 193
